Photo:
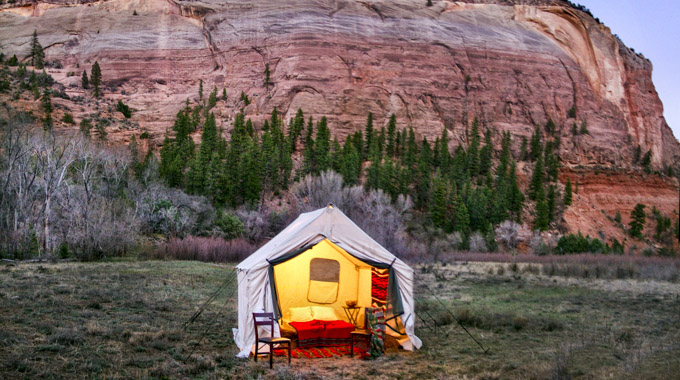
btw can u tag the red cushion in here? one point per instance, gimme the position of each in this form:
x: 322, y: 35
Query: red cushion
x: 320, y: 333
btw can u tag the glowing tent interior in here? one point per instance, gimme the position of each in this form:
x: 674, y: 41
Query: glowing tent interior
x: 318, y: 263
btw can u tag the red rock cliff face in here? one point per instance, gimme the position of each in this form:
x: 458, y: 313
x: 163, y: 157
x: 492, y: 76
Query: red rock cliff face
x: 512, y: 64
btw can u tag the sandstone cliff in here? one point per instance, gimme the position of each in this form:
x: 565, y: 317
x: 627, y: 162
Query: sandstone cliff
x: 512, y: 64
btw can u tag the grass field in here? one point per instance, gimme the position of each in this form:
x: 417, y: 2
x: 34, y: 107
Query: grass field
x: 125, y: 320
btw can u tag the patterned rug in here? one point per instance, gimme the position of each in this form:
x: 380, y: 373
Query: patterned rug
x: 320, y: 352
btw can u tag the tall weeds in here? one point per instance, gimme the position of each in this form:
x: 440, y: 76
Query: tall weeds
x: 208, y: 249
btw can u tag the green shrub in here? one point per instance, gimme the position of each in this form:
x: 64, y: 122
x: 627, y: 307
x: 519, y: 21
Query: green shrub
x: 617, y: 247
x: 124, y: 109
x: 230, y: 225
x: 64, y: 252
x: 579, y: 244
x: 572, y: 112
x: 68, y: 118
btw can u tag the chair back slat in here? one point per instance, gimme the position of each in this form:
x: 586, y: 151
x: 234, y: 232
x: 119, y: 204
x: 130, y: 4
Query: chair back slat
x: 267, y: 319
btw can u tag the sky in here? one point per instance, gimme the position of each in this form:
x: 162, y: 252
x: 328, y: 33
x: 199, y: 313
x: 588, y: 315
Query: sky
x: 651, y: 27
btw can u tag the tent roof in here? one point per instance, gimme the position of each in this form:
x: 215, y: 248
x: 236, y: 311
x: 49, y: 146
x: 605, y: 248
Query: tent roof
x: 312, y: 227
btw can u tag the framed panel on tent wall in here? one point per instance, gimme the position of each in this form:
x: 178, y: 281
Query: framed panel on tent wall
x: 324, y: 281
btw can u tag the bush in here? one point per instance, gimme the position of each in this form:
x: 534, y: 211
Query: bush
x: 230, y: 226
x: 68, y: 118
x: 64, y: 251
x: 572, y: 112
x: 477, y: 243
x: 508, y: 233
x: 124, y: 109
x: 571, y: 243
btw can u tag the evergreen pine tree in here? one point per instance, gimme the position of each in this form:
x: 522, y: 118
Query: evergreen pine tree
x: 486, y: 154
x: 224, y: 94
x: 200, y: 90
x: 637, y: 221
x: 567, y: 193
x: 523, y: 153
x: 350, y: 167
x: 516, y: 198
x: 536, y: 184
x: 536, y: 145
x: 391, y: 136
x: 411, y: 156
x: 137, y: 166
x: 542, y: 215
x: 212, y: 99
x: 85, y: 82
x: 438, y: 205
x: 373, y: 174
x: 213, y: 181
x: 504, y: 160
x: 473, y: 149
x: 368, y: 136
x: 382, y: 137
x: 550, y: 126
x: 96, y: 79
x: 295, y: 129
x: 194, y: 177
x: 266, y: 76
x: 460, y: 214
x: 647, y: 161
x: 308, y: 153
x: 421, y: 180
x: 46, y: 102
x: 322, y: 148
x: 551, y: 202
x: 442, y: 156
x: 336, y: 155
x: 37, y: 53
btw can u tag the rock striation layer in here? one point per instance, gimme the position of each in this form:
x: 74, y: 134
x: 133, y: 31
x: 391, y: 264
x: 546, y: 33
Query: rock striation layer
x: 512, y: 64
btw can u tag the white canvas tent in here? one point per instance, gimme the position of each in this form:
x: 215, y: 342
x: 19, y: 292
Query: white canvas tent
x: 259, y: 289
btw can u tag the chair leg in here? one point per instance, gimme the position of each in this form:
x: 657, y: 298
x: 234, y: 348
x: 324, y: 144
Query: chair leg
x: 271, y: 356
x: 257, y: 345
x: 351, y: 346
x: 289, y: 343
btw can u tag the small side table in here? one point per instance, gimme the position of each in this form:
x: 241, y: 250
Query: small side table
x: 352, y: 313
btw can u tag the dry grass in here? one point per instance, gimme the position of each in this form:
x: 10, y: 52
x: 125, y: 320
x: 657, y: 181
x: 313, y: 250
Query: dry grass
x: 583, y: 265
x: 124, y: 320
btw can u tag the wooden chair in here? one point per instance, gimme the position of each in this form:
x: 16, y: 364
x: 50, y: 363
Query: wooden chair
x: 267, y: 319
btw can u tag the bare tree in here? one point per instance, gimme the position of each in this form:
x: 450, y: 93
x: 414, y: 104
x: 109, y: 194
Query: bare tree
x: 54, y: 155
x: 372, y: 211
x: 508, y: 233
x: 18, y: 177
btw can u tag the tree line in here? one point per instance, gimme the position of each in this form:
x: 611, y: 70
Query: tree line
x: 471, y: 189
